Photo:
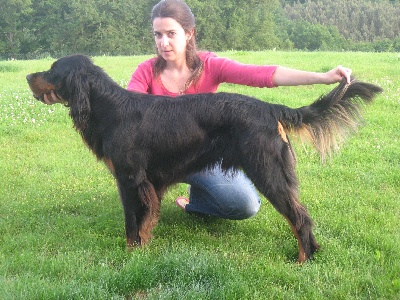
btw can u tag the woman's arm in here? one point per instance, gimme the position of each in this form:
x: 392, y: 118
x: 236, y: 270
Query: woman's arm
x: 227, y: 70
x: 289, y: 77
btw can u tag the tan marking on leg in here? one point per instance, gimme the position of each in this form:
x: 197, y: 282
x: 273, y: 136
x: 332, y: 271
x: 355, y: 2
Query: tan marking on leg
x: 282, y: 133
x: 107, y: 161
x: 302, y: 255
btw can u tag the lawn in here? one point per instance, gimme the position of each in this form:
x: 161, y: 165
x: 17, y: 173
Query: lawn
x: 62, y: 228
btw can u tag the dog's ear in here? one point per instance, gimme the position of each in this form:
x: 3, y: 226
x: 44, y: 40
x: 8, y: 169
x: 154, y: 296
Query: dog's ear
x: 78, y: 88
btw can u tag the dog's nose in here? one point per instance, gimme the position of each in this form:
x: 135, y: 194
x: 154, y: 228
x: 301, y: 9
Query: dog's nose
x: 29, y: 77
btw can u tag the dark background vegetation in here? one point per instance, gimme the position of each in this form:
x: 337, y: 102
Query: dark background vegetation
x: 31, y: 29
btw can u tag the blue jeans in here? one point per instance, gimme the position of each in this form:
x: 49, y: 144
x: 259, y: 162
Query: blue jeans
x: 228, y: 196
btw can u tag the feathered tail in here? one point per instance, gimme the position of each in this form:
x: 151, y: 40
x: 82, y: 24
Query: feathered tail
x: 329, y: 120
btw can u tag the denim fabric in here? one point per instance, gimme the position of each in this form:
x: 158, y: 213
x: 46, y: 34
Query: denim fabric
x: 225, y: 195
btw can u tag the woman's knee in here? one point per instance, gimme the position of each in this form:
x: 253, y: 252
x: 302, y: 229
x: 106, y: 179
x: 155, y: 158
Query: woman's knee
x: 231, y: 196
x: 246, y: 207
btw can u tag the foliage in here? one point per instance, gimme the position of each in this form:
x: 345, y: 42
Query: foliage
x: 307, y: 36
x: 12, y: 35
x: 123, y: 27
x: 94, y: 26
x: 42, y: 28
x: 238, y: 24
x: 356, y: 20
x: 62, y: 227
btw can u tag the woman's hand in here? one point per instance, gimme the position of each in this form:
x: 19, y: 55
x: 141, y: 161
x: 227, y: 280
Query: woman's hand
x: 336, y: 74
x: 51, y: 98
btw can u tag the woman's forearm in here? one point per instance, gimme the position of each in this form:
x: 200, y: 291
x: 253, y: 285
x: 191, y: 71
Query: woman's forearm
x: 290, y: 77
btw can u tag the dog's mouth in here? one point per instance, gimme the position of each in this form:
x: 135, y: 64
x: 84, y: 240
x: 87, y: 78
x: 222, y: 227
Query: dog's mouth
x: 40, y: 87
x: 37, y: 96
x: 41, y: 97
x: 50, y: 98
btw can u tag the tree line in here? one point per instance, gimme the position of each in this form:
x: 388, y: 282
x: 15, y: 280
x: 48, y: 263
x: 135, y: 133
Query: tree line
x: 41, y: 28
x: 363, y: 25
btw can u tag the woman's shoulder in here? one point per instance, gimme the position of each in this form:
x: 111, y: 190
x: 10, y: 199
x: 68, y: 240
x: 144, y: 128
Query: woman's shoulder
x: 206, y: 55
x: 148, y: 63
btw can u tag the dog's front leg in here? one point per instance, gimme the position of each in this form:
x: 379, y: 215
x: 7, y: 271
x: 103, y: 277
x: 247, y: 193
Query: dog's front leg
x: 141, y: 208
x: 131, y: 206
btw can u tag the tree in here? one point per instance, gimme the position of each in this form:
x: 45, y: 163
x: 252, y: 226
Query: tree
x: 13, y: 13
x: 37, y: 28
x: 356, y: 20
x: 235, y: 24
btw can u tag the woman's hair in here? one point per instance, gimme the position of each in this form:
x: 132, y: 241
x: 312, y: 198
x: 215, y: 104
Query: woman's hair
x: 181, y: 13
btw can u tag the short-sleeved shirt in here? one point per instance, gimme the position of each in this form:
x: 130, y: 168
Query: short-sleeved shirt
x: 216, y: 70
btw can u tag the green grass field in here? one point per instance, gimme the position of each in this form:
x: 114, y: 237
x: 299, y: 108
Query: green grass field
x: 62, y: 229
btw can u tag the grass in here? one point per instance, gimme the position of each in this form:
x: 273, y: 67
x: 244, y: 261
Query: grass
x: 61, y: 223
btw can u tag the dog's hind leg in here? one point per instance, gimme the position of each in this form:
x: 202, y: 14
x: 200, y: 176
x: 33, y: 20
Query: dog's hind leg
x: 141, y: 208
x: 151, y: 201
x: 271, y: 167
x: 284, y: 199
x: 298, y: 218
x: 300, y: 224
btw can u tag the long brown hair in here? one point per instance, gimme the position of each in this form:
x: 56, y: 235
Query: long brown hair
x: 181, y: 13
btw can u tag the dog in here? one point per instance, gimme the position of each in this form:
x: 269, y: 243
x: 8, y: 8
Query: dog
x: 151, y: 142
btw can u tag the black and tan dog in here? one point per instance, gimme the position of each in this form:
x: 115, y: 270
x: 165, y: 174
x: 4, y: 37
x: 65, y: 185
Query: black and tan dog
x: 151, y: 142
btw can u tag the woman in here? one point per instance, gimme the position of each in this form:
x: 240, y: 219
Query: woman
x: 180, y: 69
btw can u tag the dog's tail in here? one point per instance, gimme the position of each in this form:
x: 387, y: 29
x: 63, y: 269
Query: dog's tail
x: 330, y: 119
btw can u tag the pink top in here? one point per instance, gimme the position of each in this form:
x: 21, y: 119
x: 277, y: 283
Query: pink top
x: 216, y: 71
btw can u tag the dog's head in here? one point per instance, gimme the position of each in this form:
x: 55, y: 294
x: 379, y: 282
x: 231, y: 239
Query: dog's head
x: 68, y: 78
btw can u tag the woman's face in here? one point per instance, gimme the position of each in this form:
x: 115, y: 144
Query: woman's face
x: 171, y: 39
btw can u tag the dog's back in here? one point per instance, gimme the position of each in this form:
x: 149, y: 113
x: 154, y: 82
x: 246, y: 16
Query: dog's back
x: 326, y: 122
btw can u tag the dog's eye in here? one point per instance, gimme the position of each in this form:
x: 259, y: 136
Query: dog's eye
x: 48, y: 73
